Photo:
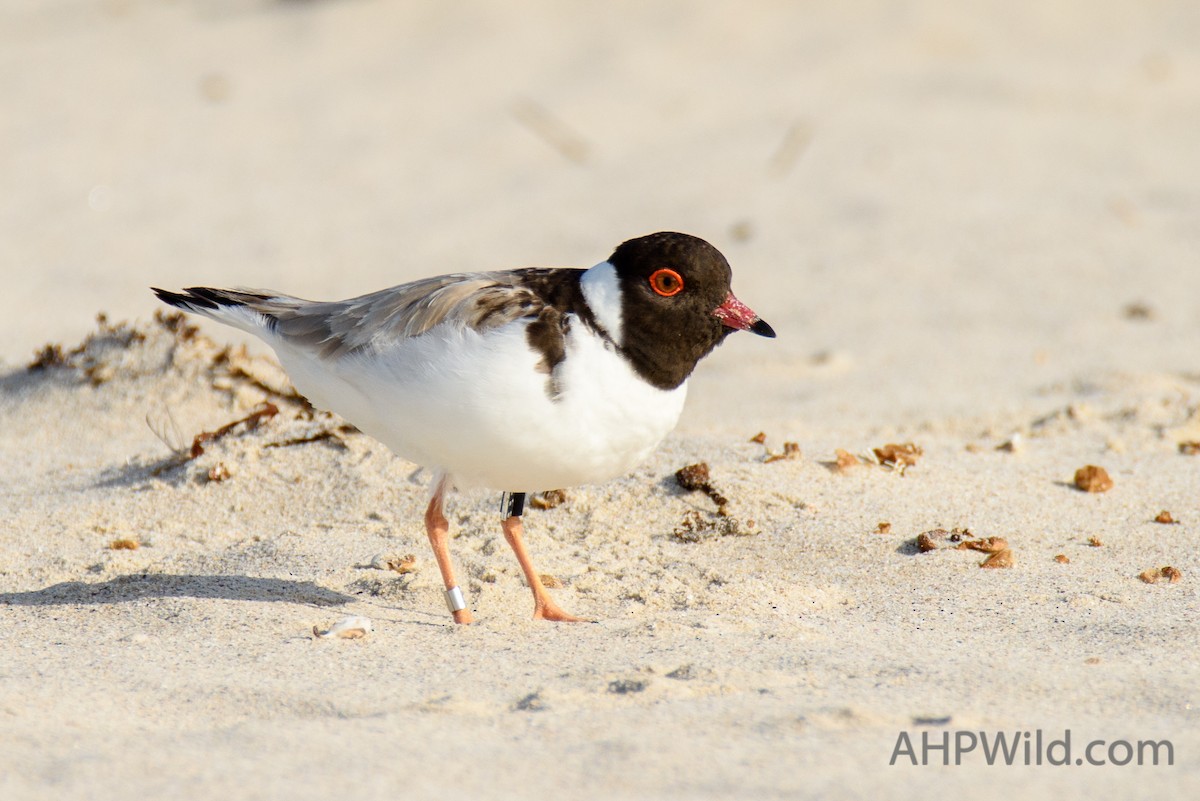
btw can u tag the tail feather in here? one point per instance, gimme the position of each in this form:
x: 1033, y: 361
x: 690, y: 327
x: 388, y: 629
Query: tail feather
x: 204, y: 297
x: 249, y: 311
x: 187, y: 302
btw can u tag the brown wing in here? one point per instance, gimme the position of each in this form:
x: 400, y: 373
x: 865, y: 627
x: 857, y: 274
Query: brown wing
x: 473, y: 300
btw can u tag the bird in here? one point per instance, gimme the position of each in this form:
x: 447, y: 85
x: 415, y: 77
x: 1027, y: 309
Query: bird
x: 515, y: 380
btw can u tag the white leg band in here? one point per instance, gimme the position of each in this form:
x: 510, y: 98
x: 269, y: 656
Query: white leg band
x: 455, y: 600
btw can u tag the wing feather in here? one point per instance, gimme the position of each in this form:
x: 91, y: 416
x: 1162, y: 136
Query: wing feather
x: 480, y: 301
x: 332, y: 329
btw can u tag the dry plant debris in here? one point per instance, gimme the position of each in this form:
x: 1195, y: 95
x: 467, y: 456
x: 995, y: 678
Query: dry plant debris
x: 353, y: 627
x: 336, y: 435
x: 51, y: 355
x: 898, y: 456
x: 1095, y: 542
x: 550, y: 582
x: 402, y: 565
x: 1002, y: 558
x: 883, y: 527
x: 234, y: 366
x: 1152, y: 575
x: 844, y: 460
x: 984, y: 544
x: 695, y: 477
x: 892, y: 456
x: 170, y: 343
x: 696, y: 527
x: 250, y: 421
x: 218, y: 472
x: 960, y: 539
x: 927, y: 540
x: 791, y: 450
x: 1091, y: 478
x: 1166, y: 518
x: 548, y: 499
x: 124, y: 544
x: 133, y: 349
x: 1062, y: 559
x: 1190, y: 448
x: 88, y: 356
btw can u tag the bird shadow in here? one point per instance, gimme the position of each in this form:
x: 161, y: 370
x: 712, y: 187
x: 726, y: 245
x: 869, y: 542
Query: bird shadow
x: 122, y: 589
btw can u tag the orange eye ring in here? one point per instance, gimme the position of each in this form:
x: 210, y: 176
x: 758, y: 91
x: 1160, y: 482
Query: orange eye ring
x: 666, y: 282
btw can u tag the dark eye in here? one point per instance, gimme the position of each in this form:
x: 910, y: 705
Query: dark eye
x: 666, y: 282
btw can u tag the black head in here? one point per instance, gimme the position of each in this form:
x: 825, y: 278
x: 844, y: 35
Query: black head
x: 676, y: 305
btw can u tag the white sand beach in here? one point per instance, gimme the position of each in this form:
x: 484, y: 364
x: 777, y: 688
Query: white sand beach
x: 973, y: 228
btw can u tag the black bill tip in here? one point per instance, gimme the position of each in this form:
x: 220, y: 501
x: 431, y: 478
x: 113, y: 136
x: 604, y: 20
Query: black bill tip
x: 762, y: 328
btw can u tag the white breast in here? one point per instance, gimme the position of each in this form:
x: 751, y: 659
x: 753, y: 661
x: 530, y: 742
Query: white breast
x: 477, y: 406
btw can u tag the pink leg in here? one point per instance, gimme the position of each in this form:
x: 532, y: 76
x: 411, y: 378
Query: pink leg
x: 544, y: 607
x: 438, y: 529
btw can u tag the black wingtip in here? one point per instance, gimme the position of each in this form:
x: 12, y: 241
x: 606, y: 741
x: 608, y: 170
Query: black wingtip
x: 196, y: 297
x: 214, y: 298
x: 763, y: 329
x: 179, y: 301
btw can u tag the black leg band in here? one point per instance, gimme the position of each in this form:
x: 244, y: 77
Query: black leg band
x: 512, y: 504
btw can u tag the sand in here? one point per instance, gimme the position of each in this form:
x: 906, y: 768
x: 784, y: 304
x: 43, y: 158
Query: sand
x: 971, y: 227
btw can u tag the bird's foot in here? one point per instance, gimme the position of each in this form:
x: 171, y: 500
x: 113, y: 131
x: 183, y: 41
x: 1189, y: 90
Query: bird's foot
x: 548, y: 610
